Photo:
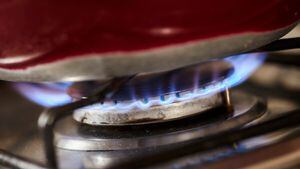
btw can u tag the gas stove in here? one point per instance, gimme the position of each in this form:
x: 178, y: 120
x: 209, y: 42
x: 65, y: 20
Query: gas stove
x: 201, y: 116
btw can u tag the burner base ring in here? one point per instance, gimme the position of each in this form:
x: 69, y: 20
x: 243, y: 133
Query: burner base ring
x: 152, y: 114
x: 71, y: 135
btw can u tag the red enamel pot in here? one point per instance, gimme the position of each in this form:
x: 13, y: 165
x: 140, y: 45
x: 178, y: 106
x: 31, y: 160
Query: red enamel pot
x: 60, y: 40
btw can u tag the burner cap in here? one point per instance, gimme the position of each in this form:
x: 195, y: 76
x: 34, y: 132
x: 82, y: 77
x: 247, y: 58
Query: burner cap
x: 156, y: 97
x: 110, y: 115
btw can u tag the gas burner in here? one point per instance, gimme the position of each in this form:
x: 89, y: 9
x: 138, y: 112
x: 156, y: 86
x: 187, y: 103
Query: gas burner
x: 93, y: 115
x: 147, y: 110
x: 164, y: 96
x: 71, y: 135
x: 160, y: 97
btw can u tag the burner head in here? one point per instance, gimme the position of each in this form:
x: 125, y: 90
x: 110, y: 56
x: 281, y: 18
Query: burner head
x: 156, y: 97
x: 164, y: 96
x: 161, y: 112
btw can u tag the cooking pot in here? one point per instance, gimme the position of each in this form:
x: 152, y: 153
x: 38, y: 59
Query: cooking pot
x: 74, y: 40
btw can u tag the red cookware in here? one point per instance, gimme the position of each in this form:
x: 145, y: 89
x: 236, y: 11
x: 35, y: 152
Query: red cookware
x: 61, y: 40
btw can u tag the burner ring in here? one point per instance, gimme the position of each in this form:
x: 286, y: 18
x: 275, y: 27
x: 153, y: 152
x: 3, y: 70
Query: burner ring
x: 152, y: 114
x: 158, y: 97
x: 72, y: 135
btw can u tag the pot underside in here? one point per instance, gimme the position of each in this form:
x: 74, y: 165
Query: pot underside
x: 77, y: 40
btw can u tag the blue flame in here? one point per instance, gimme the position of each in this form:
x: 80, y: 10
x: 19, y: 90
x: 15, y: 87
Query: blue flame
x: 50, y: 95
x: 46, y: 94
x: 244, y: 65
